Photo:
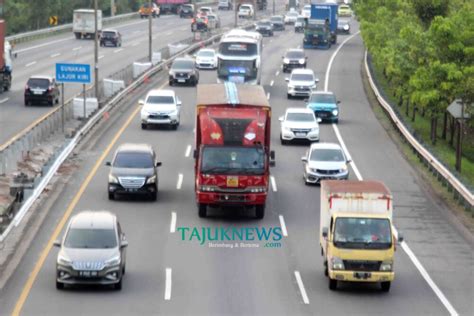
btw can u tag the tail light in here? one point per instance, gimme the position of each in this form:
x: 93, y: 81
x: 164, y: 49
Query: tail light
x: 50, y: 89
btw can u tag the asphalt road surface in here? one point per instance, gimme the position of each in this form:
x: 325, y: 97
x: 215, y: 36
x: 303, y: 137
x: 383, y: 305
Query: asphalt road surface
x: 168, y: 276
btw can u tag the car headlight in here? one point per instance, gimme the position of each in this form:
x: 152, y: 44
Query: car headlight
x: 145, y: 112
x: 286, y: 61
x: 301, y: 61
x: 346, y: 27
x: 290, y: 86
x: 171, y: 73
x: 208, y: 188
x: 313, y: 170
x: 386, y: 266
x: 313, y: 86
x: 337, y: 264
x: 258, y: 189
x: 151, y: 179
x: 344, y: 168
x: 63, y: 260
x: 286, y: 129
x: 335, y: 112
x: 315, y: 129
x: 114, y: 261
x: 173, y: 113
x: 113, y: 179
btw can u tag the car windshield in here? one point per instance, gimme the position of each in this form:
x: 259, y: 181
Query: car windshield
x: 205, y: 53
x: 38, y: 83
x: 300, y: 117
x: 362, y: 233
x: 182, y: 64
x: 276, y: 19
x: 137, y: 160
x: 264, y: 23
x: 342, y: 22
x: 233, y: 160
x: 321, y: 154
x: 90, y: 238
x: 302, y: 77
x: 160, y: 99
x: 343, y: 7
x: 322, y: 98
x: 108, y: 34
x: 294, y: 54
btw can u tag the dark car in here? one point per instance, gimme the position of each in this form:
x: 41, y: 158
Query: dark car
x: 294, y: 58
x: 186, y: 11
x: 133, y: 171
x: 93, y: 251
x: 111, y: 37
x: 343, y: 26
x: 41, y: 89
x: 278, y: 23
x: 264, y: 27
x: 184, y: 70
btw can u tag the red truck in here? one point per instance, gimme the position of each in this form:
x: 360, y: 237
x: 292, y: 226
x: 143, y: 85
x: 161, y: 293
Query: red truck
x: 232, y: 151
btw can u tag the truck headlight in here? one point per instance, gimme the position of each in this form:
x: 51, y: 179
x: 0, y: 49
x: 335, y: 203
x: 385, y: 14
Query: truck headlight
x: 113, y: 179
x: 337, y: 264
x: 286, y: 61
x: 258, y: 189
x: 335, y: 112
x: 63, y: 260
x: 346, y: 27
x: 208, y: 188
x: 114, y: 261
x: 151, y: 179
x: 386, y: 266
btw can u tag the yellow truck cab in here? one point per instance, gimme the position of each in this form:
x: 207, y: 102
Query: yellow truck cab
x: 356, y: 232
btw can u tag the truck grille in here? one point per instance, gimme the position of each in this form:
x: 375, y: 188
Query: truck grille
x: 87, y: 265
x: 132, y: 182
x: 362, y: 265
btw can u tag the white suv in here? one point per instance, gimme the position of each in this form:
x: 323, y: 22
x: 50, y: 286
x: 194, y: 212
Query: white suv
x: 301, y: 83
x: 161, y: 107
x: 299, y: 124
x: 246, y: 11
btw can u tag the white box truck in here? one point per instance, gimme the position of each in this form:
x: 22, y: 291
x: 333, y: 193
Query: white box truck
x: 83, y: 23
x: 356, y: 232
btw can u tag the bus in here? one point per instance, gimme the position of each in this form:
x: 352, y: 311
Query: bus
x: 239, y: 57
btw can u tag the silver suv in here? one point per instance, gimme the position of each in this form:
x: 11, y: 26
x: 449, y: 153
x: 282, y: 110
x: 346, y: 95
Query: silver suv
x: 325, y: 161
x: 301, y: 83
x: 92, y: 251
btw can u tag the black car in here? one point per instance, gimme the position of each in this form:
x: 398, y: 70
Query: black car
x: 264, y: 27
x: 133, y: 171
x: 184, y: 70
x: 278, y: 23
x: 111, y: 37
x: 343, y: 26
x: 186, y: 11
x: 41, y: 89
x: 294, y: 58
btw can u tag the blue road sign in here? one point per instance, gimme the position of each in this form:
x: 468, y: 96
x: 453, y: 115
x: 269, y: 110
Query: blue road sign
x: 78, y: 73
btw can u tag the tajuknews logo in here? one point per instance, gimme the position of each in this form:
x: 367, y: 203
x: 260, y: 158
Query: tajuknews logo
x: 233, y: 237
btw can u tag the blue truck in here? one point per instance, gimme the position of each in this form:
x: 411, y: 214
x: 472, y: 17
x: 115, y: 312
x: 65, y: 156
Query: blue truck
x: 321, y: 28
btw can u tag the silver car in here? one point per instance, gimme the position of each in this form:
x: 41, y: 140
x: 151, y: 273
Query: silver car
x: 301, y: 83
x: 299, y: 124
x: 325, y: 161
x: 92, y: 251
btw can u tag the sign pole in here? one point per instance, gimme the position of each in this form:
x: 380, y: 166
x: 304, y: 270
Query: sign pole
x: 62, y: 106
x: 84, y: 91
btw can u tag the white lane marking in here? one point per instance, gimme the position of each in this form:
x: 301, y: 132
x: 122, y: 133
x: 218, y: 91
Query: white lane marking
x: 183, y: 28
x: 101, y: 56
x: 452, y: 311
x: 301, y: 286
x: 169, y: 33
x: 283, y: 226
x: 4, y: 100
x: 180, y: 181
x: 135, y: 32
x: 118, y: 50
x: 188, y: 151
x: 271, y: 83
x: 168, y: 284
x: 42, y: 45
x: 274, y: 186
x: 277, y: 73
x: 30, y: 64
x: 268, y: 95
x: 173, y: 222
x: 55, y: 55
x: 155, y: 37
x: 77, y: 48
x: 135, y: 44
x: 299, y: 46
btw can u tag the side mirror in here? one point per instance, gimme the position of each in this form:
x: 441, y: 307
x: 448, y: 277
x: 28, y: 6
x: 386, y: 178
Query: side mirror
x: 338, y: 102
x: 57, y: 243
x: 304, y: 159
x: 400, y: 237
x: 319, y: 120
x: 325, y: 232
x: 178, y: 102
x: 108, y: 163
x: 281, y: 118
x: 306, y: 57
x: 124, y: 244
x: 272, y: 158
x: 158, y: 164
x: 287, y: 79
x: 316, y: 80
x: 141, y: 102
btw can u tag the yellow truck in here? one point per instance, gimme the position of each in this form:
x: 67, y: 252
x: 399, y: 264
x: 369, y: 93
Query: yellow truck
x: 356, y: 232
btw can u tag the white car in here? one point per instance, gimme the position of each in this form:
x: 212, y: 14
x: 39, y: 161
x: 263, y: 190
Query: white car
x: 246, y: 11
x: 160, y: 107
x: 299, y: 124
x: 301, y: 83
x: 290, y: 17
x: 206, y: 10
x: 325, y: 161
x: 206, y: 58
x: 306, y: 12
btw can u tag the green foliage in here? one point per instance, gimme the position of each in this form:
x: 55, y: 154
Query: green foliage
x: 427, y: 10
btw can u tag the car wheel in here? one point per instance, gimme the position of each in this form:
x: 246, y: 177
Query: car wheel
x: 202, y: 208
x: 144, y: 126
x: 170, y: 83
x: 336, y: 121
x: 118, y: 286
x: 123, y: 270
x: 51, y: 103
x: 288, y: 96
x: 175, y: 126
x: 332, y: 284
x: 259, y: 211
x: 59, y: 285
x: 385, y: 286
x: 154, y: 195
x: 282, y: 141
x: 111, y: 196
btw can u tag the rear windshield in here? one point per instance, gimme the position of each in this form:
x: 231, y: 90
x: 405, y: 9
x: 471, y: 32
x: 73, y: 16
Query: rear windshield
x: 160, y: 99
x: 133, y: 160
x: 276, y: 19
x: 38, y: 83
x: 91, y: 238
x: 264, y: 23
x: 108, y: 34
x: 187, y: 7
x: 182, y: 64
x: 323, y: 98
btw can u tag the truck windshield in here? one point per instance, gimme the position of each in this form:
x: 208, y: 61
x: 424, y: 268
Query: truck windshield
x: 240, y: 69
x: 233, y: 160
x: 362, y: 233
x: 238, y: 49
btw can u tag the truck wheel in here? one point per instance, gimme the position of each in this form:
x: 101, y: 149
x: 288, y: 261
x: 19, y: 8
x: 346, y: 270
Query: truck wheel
x: 385, y: 286
x: 118, y: 286
x: 78, y: 35
x: 59, y: 285
x: 332, y: 284
x: 259, y: 211
x: 202, y: 210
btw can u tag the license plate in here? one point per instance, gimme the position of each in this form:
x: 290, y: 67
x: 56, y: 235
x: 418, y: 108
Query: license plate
x: 300, y: 134
x: 37, y: 92
x: 181, y: 80
x: 232, y: 181
x: 131, y: 190
x: 88, y: 274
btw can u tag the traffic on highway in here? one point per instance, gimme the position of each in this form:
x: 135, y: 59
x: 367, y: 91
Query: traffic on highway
x: 251, y: 175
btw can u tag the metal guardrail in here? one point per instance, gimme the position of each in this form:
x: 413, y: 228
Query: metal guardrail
x: 461, y: 192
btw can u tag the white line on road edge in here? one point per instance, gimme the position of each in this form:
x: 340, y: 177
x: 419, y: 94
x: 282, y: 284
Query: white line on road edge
x: 135, y: 44
x: 271, y: 83
x: 277, y: 73
x: 168, y: 284
x: 301, y: 286
x: 283, y: 226
x: 55, y: 55
x: 268, y: 96
x: 274, y: 185
x: 188, y: 151
x: 173, y: 222
x: 405, y: 246
x: 101, y: 56
x: 118, y: 50
x: 42, y: 45
x: 77, y: 48
x: 30, y: 64
x: 4, y: 100
x: 180, y: 181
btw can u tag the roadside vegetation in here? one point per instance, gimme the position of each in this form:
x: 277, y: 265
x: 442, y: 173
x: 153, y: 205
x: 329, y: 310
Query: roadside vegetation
x: 423, y: 55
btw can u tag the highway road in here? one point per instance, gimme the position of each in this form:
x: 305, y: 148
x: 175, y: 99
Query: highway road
x: 168, y: 276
